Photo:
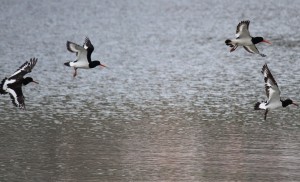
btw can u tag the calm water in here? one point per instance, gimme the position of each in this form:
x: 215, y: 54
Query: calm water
x: 174, y: 104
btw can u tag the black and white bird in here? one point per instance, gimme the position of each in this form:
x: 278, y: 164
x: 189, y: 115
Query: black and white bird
x: 83, y: 54
x: 13, y: 84
x: 243, y: 38
x: 273, y: 93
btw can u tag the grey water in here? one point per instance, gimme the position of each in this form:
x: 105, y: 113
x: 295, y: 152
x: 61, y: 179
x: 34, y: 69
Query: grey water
x: 174, y: 104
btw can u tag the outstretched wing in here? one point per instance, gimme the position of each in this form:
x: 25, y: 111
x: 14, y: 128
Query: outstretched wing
x: 272, y: 90
x: 17, y: 97
x: 242, y: 29
x: 89, y: 47
x: 251, y: 49
x: 80, y: 51
x: 72, y: 47
x: 24, y: 69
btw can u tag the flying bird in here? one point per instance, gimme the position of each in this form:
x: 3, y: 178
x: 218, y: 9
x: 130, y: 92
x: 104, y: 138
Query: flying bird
x: 13, y: 84
x: 83, y: 54
x: 273, y: 94
x: 243, y: 38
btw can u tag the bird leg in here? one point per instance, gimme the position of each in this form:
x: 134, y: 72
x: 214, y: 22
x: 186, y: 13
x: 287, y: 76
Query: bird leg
x: 233, y: 47
x: 262, y: 55
x: 75, y: 72
x: 266, y: 112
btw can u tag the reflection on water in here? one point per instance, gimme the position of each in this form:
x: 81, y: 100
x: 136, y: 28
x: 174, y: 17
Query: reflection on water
x: 174, y: 104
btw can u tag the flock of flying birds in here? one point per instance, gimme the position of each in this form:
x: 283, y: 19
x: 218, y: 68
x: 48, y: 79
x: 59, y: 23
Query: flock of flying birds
x: 13, y: 84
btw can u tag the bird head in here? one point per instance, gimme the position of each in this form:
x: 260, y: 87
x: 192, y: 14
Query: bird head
x: 97, y: 63
x: 287, y: 102
x: 28, y: 80
x: 257, y: 40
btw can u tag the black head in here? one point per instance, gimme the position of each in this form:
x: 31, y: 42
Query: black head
x: 28, y: 80
x: 287, y: 102
x: 256, y: 40
x: 93, y: 64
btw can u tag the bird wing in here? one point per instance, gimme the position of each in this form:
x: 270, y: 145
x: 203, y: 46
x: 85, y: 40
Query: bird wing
x: 88, y: 45
x: 24, y: 69
x: 17, y: 97
x: 242, y: 29
x: 80, y: 51
x: 272, y: 90
x: 251, y: 49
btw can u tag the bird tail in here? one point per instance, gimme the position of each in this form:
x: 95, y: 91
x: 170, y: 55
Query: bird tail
x: 1, y: 86
x: 256, y: 106
x: 229, y: 43
x: 67, y: 64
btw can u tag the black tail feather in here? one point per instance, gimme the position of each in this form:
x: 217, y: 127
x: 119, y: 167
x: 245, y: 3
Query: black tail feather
x: 256, y: 106
x: 67, y: 64
x: 228, y: 42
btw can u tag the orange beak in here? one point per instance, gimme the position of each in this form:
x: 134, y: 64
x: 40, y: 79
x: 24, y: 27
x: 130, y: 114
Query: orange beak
x: 103, y: 65
x: 266, y: 41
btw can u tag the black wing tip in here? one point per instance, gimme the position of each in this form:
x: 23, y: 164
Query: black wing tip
x: 67, y: 64
x: 88, y: 45
x: 265, y: 67
x: 87, y: 42
x: 33, y: 61
x: 20, y: 99
x: 245, y: 21
x: 263, y: 55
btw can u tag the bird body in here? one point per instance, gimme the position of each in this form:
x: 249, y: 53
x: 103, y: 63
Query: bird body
x: 273, y: 93
x: 13, y: 84
x: 83, y: 54
x: 243, y: 38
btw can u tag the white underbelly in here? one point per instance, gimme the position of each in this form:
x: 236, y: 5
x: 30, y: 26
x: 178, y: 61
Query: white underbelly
x: 243, y: 42
x: 274, y: 105
x: 80, y: 64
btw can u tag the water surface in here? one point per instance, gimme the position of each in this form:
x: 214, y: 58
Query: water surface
x: 174, y: 104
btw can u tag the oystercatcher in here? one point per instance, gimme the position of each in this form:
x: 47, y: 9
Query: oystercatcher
x: 83, y: 54
x: 13, y: 84
x: 243, y: 38
x: 273, y: 94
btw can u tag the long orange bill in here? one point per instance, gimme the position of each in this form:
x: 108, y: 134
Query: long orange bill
x: 266, y: 41
x: 103, y: 65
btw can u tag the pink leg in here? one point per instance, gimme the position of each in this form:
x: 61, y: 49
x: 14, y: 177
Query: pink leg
x: 233, y: 48
x: 75, y: 72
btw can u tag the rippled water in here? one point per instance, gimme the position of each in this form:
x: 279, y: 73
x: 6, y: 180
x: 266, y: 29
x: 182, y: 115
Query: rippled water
x: 174, y: 104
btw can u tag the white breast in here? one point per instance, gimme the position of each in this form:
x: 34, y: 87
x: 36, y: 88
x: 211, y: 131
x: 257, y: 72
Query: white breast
x: 8, y: 82
x: 274, y: 105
